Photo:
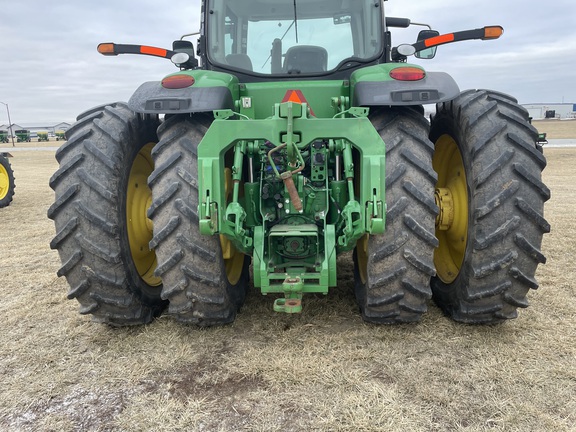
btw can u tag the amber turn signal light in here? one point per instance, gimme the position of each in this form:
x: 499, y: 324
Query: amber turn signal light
x: 493, y: 32
x: 107, y: 49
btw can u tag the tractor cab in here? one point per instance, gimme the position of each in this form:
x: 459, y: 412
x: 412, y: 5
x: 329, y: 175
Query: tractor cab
x: 263, y: 39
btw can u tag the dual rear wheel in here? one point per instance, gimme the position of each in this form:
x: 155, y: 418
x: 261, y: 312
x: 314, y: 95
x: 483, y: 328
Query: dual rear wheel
x: 487, y: 218
x: 127, y: 224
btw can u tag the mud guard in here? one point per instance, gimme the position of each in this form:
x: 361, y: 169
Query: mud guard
x: 435, y: 87
x: 152, y: 98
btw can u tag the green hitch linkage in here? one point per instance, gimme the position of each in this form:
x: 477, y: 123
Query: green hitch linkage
x: 286, y: 176
x: 292, y: 303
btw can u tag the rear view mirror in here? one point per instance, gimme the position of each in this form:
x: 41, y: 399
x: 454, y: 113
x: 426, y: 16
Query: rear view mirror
x: 184, y: 47
x: 428, y: 53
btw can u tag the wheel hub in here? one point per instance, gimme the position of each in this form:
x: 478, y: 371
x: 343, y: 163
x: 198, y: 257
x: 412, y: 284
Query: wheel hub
x: 445, y: 203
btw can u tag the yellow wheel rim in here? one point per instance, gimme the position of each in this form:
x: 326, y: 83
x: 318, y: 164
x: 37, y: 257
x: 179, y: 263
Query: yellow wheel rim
x: 362, y: 258
x: 139, y: 227
x: 233, y: 258
x: 452, y: 199
x: 4, y: 182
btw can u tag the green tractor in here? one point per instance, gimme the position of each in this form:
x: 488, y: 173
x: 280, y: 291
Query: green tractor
x: 298, y: 135
x: 23, y: 135
x: 60, y: 135
x: 7, y: 184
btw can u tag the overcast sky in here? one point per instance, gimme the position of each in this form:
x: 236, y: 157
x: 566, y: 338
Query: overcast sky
x: 50, y: 71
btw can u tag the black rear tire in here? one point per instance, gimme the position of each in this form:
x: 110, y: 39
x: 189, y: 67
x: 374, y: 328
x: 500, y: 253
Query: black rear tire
x: 190, y: 264
x: 392, y: 271
x: 90, y: 216
x: 506, y: 196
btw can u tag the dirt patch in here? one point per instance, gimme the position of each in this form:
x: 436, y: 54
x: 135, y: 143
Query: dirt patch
x: 80, y: 410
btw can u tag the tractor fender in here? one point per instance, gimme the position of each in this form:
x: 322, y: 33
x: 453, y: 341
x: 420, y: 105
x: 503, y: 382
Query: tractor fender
x: 374, y: 87
x: 210, y: 91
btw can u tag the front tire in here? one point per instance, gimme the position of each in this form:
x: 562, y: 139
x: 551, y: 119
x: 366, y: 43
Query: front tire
x: 100, y: 216
x: 491, y: 197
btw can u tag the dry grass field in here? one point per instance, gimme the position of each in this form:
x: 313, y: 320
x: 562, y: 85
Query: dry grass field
x: 556, y: 129
x: 323, y: 370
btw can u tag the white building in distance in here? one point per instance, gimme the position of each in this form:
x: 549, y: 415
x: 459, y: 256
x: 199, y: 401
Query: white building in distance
x: 51, y: 129
x: 554, y: 110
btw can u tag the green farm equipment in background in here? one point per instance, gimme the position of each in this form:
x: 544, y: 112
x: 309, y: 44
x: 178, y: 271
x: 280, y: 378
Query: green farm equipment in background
x: 298, y: 135
x: 7, y: 184
x: 3, y: 136
x: 541, y: 140
x: 43, y: 136
x: 23, y: 135
x: 60, y: 135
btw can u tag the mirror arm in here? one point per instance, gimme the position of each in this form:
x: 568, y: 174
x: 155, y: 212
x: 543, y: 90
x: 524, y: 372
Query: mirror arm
x: 485, y: 33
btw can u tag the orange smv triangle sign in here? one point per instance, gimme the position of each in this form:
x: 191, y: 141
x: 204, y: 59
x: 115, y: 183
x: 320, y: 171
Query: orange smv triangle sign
x: 296, y: 96
x: 293, y: 96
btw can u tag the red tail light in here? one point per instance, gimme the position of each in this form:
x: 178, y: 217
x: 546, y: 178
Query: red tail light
x: 407, y: 73
x: 178, y: 81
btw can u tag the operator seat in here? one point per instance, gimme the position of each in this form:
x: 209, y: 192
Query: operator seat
x: 240, y: 61
x: 305, y: 59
